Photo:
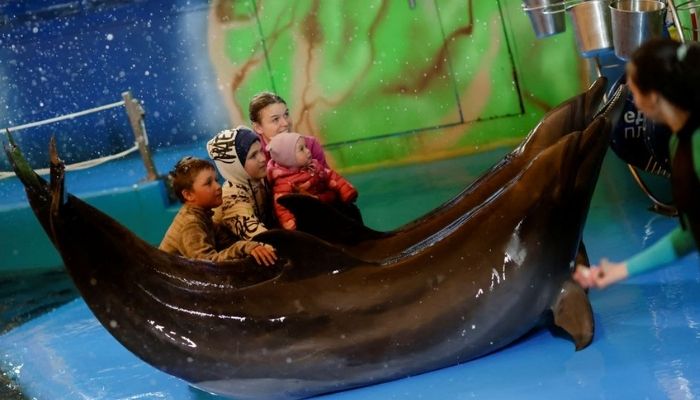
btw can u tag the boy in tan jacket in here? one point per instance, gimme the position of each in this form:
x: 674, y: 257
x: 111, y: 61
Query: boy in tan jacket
x: 193, y: 234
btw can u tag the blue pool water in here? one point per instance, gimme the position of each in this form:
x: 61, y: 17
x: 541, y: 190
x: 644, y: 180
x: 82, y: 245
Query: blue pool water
x: 646, y: 345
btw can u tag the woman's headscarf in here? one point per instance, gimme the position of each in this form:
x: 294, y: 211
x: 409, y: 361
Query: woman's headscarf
x: 229, y: 149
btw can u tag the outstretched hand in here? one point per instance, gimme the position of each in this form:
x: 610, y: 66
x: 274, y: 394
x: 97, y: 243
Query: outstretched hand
x: 600, y: 276
x: 264, y: 254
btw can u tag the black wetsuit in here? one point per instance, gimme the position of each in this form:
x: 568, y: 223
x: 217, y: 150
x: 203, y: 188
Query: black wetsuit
x: 684, y: 148
x: 684, y: 179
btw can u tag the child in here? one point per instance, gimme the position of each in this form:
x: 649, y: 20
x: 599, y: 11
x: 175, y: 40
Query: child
x: 292, y: 169
x: 247, y: 202
x: 192, y: 233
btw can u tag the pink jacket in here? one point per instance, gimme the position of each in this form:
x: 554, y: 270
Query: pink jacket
x: 313, y: 180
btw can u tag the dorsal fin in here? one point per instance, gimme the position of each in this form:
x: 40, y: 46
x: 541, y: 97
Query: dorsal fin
x: 323, y: 221
x: 308, y: 256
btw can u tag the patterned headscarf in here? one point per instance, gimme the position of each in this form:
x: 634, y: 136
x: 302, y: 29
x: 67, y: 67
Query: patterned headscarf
x: 229, y: 149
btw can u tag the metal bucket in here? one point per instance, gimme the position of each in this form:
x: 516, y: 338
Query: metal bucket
x: 546, y: 16
x: 591, y: 21
x: 634, y: 22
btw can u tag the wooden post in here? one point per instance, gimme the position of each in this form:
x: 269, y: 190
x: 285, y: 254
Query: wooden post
x: 136, y: 113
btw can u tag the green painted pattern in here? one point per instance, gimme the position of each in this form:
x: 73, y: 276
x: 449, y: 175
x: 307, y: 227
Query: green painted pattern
x: 382, y: 83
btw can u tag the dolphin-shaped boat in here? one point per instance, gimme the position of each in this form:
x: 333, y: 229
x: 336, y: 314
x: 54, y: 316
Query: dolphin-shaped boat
x: 324, y: 320
x: 324, y: 221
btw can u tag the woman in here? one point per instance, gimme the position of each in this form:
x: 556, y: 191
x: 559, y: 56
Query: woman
x: 664, y: 78
x: 269, y: 115
x: 246, y: 208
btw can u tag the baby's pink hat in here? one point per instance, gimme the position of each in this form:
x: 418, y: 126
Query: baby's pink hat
x: 282, y: 149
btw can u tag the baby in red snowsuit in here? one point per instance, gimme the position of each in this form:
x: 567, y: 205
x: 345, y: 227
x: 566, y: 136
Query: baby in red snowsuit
x: 291, y: 169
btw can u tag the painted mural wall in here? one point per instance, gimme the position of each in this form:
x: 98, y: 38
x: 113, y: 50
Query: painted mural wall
x: 378, y: 82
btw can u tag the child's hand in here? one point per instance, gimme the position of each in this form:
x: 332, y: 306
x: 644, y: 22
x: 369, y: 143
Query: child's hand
x: 352, y: 197
x: 289, y: 225
x: 264, y: 254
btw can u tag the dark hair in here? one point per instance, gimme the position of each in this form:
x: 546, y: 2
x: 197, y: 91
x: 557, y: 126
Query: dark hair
x: 670, y: 68
x: 186, y: 170
x: 260, y: 101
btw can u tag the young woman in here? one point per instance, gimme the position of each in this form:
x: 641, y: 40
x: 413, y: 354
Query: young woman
x: 664, y: 78
x: 269, y: 115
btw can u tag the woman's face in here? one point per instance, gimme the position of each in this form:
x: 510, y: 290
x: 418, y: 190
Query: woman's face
x: 274, y: 119
x: 255, y: 162
x: 645, y: 102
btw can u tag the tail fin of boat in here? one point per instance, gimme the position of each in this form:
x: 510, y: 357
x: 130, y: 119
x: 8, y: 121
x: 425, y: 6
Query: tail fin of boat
x: 20, y: 165
x: 37, y: 189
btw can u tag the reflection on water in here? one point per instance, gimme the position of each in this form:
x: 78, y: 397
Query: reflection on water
x: 28, y: 295
x: 9, y: 390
